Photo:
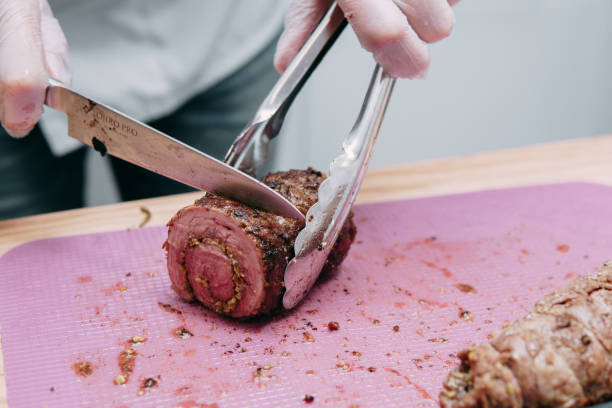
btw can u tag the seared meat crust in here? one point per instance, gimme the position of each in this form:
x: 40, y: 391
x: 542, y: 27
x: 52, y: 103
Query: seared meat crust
x: 232, y: 258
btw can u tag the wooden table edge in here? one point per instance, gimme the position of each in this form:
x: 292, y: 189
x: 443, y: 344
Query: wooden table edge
x: 577, y: 160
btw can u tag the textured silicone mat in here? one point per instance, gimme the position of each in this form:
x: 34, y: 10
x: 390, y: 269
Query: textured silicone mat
x: 424, y: 279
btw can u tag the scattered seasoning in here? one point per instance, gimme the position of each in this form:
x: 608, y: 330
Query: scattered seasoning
x: 83, y: 368
x: 239, y: 213
x: 388, y: 261
x: 183, y: 333
x: 259, y: 376
x: 465, y: 314
x: 437, y: 340
x: 147, y: 385
x: 126, y: 361
x: 356, y: 354
x: 127, y: 275
x: 395, y: 328
x: 376, y: 322
x: 138, y: 339
x: 308, y: 398
x: 308, y: 336
x: 371, y: 369
x: 343, y: 365
x: 346, y: 292
x: 585, y: 340
x: 333, y: 326
x: 247, y: 339
x: 52, y: 389
x: 319, y: 246
x: 169, y: 308
x: 147, y: 216
x: 465, y: 288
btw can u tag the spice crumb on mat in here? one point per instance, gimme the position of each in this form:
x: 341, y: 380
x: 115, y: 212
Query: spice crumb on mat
x: 83, y: 368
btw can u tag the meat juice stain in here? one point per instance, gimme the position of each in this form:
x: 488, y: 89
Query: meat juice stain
x: 169, y: 308
x: 445, y: 271
x: 83, y: 368
x: 193, y: 404
x: 563, y: 248
x: 84, y: 279
x: 417, y: 387
x: 465, y: 288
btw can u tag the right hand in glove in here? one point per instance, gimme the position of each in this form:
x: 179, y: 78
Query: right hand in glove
x: 394, y: 31
x: 32, y: 48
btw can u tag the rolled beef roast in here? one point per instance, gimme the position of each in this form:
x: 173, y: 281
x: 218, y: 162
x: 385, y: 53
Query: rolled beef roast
x: 559, y: 355
x: 232, y: 258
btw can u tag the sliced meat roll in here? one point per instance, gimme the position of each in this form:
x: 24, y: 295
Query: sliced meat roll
x: 232, y: 258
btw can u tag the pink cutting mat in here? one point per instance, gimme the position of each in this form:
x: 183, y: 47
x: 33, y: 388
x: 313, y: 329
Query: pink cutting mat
x: 424, y: 279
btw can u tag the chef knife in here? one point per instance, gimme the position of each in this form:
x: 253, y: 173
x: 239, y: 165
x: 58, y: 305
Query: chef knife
x: 111, y: 132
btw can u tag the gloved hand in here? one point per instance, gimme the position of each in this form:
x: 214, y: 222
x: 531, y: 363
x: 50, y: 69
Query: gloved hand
x: 32, y: 48
x: 395, y: 31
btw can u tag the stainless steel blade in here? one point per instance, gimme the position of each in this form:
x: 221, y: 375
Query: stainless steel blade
x: 337, y: 193
x: 110, y: 131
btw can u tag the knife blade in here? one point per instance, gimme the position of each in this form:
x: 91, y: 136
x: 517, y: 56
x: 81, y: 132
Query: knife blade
x: 111, y: 132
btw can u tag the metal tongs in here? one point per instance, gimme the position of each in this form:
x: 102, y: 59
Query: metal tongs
x: 337, y: 193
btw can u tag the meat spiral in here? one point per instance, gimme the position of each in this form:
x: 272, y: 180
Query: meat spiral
x: 232, y: 258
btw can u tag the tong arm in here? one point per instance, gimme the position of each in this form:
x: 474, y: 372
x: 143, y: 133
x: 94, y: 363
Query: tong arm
x: 337, y: 193
x: 250, y: 150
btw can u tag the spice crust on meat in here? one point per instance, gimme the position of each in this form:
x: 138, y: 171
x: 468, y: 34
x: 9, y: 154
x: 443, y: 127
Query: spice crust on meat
x: 232, y: 258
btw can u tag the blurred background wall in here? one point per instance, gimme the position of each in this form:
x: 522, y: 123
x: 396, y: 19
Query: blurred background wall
x: 513, y: 73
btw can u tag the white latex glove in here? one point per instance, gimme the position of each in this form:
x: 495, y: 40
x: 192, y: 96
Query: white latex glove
x: 32, y: 48
x: 394, y: 31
